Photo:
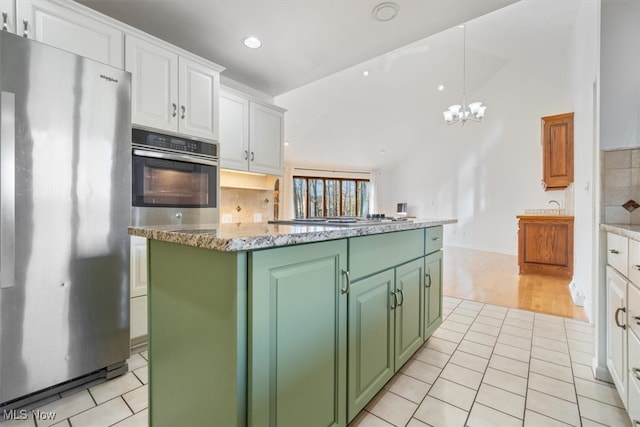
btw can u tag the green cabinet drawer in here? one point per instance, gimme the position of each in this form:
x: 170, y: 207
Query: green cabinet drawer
x: 370, y: 254
x: 432, y: 239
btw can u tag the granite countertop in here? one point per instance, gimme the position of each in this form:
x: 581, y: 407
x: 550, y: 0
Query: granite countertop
x: 250, y: 236
x: 626, y: 230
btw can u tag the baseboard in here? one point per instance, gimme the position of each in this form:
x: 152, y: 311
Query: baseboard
x: 138, y: 341
x: 576, y: 293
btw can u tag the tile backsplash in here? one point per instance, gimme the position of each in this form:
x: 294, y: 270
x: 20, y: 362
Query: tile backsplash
x: 246, y: 205
x: 621, y: 186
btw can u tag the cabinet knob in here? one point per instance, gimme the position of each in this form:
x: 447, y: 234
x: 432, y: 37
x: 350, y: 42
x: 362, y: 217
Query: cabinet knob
x: 25, y: 25
x: 347, y: 287
x: 427, y: 277
x: 175, y: 109
x: 253, y: 157
x: 636, y: 372
x: 620, y: 310
x: 184, y: 112
x: 636, y: 267
x: 637, y: 319
x: 614, y: 251
x: 4, y: 21
x: 401, y: 297
x: 435, y: 238
x: 394, y: 303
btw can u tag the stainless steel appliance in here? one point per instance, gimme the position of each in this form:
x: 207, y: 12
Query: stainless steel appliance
x: 175, y: 180
x: 64, y: 210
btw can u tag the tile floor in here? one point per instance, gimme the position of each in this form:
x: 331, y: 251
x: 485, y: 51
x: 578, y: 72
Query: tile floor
x: 485, y: 366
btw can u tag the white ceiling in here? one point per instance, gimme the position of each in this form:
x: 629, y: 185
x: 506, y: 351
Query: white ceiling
x: 303, y: 40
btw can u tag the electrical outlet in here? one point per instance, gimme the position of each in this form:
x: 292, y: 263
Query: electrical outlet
x: 227, y: 218
x: 257, y: 217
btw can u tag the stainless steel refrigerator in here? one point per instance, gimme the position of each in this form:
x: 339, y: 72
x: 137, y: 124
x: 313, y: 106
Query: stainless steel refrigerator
x: 65, y: 132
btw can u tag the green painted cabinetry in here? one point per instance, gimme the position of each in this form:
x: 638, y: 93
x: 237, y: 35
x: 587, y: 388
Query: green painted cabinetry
x: 409, y: 310
x: 297, y: 336
x: 433, y: 293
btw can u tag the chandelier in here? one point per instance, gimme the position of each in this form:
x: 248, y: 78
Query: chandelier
x: 460, y: 113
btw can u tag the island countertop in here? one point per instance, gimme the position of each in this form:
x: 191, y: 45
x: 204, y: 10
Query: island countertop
x: 250, y: 236
x: 625, y: 230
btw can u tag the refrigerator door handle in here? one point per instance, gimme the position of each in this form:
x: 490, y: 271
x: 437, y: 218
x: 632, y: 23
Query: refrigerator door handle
x: 7, y: 190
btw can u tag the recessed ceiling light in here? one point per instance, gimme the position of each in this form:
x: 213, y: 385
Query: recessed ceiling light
x: 365, y: 73
x: 441, y: 88
x: 252, y: 42
x: 385, y: 11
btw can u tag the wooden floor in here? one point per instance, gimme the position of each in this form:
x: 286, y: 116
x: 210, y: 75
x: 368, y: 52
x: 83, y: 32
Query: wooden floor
x: 493, y: 278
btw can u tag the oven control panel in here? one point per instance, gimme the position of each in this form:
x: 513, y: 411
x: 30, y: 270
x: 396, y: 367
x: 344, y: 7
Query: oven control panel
x: 173, y: 143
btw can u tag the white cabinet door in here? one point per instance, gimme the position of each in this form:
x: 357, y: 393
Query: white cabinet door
x: 198, y: 99
x: 616, y: 334
x: 154, y: 84
x: 138, y: 266
x: 234, y: 131
x: 71, y: 30
x: 8, y: 7
x: 139, y: 323
x: 266, y: 130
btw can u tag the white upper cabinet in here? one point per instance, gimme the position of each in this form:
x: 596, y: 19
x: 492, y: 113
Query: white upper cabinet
x: 171, y: 92
x: 72, y: 28
x: 251, y: 134
x: 8, y: 10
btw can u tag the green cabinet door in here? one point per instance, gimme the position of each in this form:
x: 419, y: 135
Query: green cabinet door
x: 297, y: 336
x: 371, y: 338
x: 433, y: 294
x: 409, y: 310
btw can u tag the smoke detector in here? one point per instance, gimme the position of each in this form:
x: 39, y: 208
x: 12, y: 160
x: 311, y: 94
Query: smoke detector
x: 385, y: 11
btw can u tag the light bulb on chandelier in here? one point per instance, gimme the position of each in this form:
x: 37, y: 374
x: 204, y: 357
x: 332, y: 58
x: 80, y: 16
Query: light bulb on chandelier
x: 460, y: 113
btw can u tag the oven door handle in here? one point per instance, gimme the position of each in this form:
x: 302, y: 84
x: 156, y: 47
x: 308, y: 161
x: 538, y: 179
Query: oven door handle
x: 171, y: 156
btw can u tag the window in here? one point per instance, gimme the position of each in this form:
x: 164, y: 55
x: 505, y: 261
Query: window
x: 329, y: 197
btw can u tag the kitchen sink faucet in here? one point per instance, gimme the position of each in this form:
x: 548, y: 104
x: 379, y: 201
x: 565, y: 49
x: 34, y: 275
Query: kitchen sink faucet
x: 557, y: 203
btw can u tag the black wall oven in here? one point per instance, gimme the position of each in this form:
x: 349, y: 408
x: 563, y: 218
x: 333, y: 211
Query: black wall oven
x: 175, y: 180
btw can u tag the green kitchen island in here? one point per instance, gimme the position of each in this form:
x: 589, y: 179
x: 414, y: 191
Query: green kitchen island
x: 285, y: 325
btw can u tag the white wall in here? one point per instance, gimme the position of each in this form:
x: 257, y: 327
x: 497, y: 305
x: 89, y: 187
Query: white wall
x: 584, y: 75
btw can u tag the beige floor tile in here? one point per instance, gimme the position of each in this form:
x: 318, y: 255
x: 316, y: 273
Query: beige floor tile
x: 137, y: 399
x: 584, y: 328
x: 509, y: 365
x: 437, y: 413
x: 117, y: 386
x: 534, y: 419
x: 487, y: 319
x: 145, y: 354
x: 514, y: 313
x: 500, y: 315
x: 68, y: 406
x: 550, y: 344
x: 553, y: 407
x: 553, y: 387
x: 367, y: 419
x: 581, y: 358
x: 496, y: 308
x: 466, y: 360
x: 414, y: 422
x: 448, y: 299
x: 465, y: 312
x: 583, y: 371
x: 136, y: 361
x: 475, y: 348
x: 550, y: 334
x: 408, y: 387
x: 501, y: 400
x: 551, y: 370
x: 462, y: 376
x: 392, y: 408
x: 452, y: 393
x: 483, y: 416
x: 601, y: 392
x: 473, y: 305
x: 506, y: 381
x: 588, y: 423
x: 516, y: 332
x: 556, y: 357
x: 421, y: 371
x: 64, y: 423
x: 481, y: 338
x: 454, y: 326
x: 524, y: 324
x: 485, y: 329
x: 579, y: 336
x: 432, y: 357
x: 441, y: 345
x: 448, y: 335
x: 465, y: 320
x: 19, y: 419
x: 549, y: 317
x: 142, y: 374
x: 520, y: 342
x: 103, y: 415
x: 141, y: 419
x: 512, y: 352
x: 585, y: 347
x: 603, y: 413
x: 546, y: 324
